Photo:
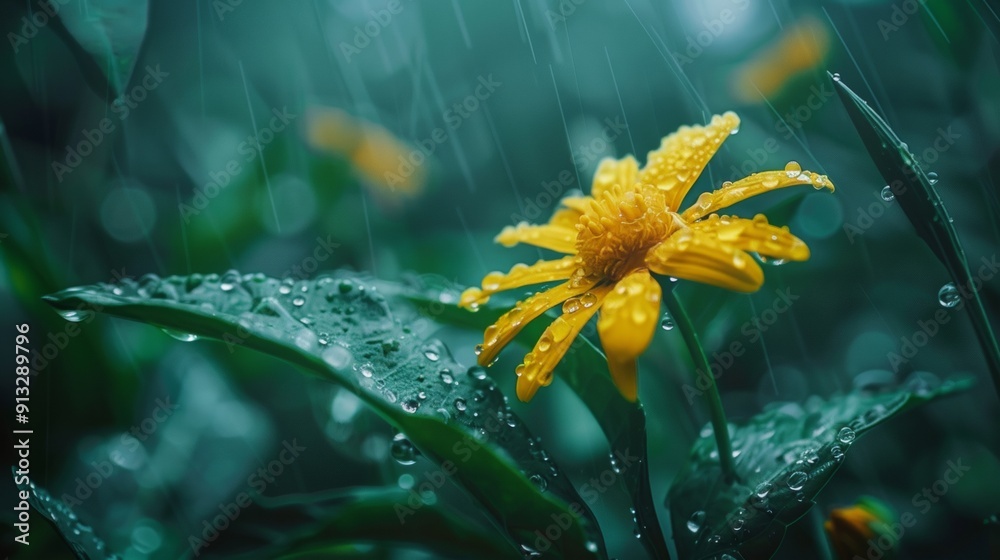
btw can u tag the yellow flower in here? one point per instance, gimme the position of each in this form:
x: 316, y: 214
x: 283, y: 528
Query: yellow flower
x: 630, y: 226
x: 858, y: 530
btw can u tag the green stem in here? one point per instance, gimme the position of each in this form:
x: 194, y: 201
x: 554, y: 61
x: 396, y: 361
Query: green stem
x: 719, y: 425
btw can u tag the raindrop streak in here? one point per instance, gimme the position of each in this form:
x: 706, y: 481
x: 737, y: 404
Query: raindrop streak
x: 887, y: 194
x: 402, y: 450
x: 948, y: 295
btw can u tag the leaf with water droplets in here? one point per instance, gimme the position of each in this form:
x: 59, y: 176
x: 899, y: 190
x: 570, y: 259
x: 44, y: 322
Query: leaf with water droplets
x: 343, y: 329
x: 79, y: 537
x: 310, y: 524
x: 914, y: 190
x: 584, y: 368
x: 784, y: 457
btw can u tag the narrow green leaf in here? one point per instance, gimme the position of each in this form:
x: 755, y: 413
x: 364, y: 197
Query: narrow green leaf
x: 302, y: 523
x: 925, y: 210
x: 111, y: 31
x: 341, y: 328
x: 584, y: 369
x: 784, y: 457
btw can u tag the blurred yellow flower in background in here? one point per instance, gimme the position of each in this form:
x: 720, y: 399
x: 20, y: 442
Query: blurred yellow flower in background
x: 630, y: 227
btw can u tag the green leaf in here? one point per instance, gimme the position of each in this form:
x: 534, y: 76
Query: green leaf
x: 298, y: 524
x: 79, y: 537
x: 584, y: 369
x: 925, y: 210
x: 111, y: 31
x: 784, y: 457
x: 341, y: 328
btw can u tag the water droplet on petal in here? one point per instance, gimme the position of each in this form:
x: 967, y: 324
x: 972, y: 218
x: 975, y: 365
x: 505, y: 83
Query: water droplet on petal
x: 932, y: 178
x: 792, y: 169
x: 948, y: 295
x: 887, y: 194
x: 75, y: 316
x: 460, y: 405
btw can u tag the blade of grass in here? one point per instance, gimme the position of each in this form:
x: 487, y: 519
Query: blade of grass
x: 925, y: 210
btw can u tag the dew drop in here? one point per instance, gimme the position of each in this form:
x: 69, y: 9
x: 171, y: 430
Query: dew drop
x: 837, y: 452
x: 431, y: 355
x: 411, y: 405
x: 763, y: 489
x: 792, y: 169
x: 667, y: 322
x: 846, y: 435
x: 460, y: 405
x: 477, y: 372
x: 402, y: 451
x: 696, y: 521
x: 797, y: 480
x: 75, y: 316
x: 887, y: 194
x: 446, y: 377
x: 948, y: 295
x: 540, y: 482
x: 181, y: 336
x: 591, y: 546
x: 932, y: 178
x: 299, y: 301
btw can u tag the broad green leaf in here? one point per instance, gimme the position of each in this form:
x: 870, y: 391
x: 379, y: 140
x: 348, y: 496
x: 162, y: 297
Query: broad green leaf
x: 584, y: 369
x: 341, y: 328
x: 299, y: 524
x: 925, y: 210
x: 784, y: 457
x: 111, y: 31
x: 79, y: 538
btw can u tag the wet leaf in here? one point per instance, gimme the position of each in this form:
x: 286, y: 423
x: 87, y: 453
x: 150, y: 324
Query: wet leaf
x: 584, y: 369
x: 111, y: 31
x: 303, y: 523
x: 923, y: 207
x: 341, y: 328
x: 784, y: 457
x: 80, y: 538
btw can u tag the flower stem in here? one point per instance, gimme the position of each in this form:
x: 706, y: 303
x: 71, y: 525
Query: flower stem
x: 719, y: 425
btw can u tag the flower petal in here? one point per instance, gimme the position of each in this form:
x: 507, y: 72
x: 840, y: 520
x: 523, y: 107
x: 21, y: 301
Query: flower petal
x: 610, y: 172
x: 754, y: 235
x: 758, y: 183
x: 555, y: 237
x: 519, y: 275
x: 682, y: 156
x: 536, y: 370
x: 628, y: 321
x: 500, y: 333
x: 694, y: 255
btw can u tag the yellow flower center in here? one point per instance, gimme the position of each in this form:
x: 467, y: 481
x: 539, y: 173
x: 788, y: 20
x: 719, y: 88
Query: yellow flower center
x: 619, y: 227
